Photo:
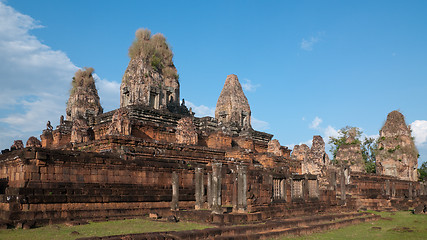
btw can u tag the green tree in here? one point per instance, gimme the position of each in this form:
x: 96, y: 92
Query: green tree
x: 422, y: 170
x: 369, y: 148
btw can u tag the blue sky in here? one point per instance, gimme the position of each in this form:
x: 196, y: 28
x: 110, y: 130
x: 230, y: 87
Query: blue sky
x: 307, y: 67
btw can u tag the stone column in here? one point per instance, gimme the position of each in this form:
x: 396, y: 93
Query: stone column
x: 235, y: 191
x: 342, y: 183
x: 209, y: 190
x: 387, y: 188
x: 410, y: 191
x: 216, y: 188
x: 305, y: 188
x: 283, y: 189
x: 241, y: 189
x: 175, y: 191
x: 198, y: 178
x: 393, y: 189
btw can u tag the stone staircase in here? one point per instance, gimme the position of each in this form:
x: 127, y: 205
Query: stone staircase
x: 274, y: 228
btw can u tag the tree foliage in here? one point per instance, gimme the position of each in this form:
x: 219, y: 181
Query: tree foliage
x: 352, y: 135
x: 422, y: 171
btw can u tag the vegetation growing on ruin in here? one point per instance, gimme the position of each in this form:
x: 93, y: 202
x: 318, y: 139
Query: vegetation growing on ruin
x: 83, y: 78
x: 155, y: 51
x: 368, y: 146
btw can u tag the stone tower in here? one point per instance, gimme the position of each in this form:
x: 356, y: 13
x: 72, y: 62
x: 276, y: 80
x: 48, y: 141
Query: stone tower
x: 397, y: 155
x: 84, y: 100
x: 350, y: 153
x: 232, y: 107
x: 151, y: 78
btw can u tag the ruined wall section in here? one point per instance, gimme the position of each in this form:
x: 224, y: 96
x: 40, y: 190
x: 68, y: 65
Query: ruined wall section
x: 397, y: 155
x: 313, y: 160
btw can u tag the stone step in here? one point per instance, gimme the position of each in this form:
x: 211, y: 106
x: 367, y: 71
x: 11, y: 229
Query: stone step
x: 301, y: 230
x: 291, y: 226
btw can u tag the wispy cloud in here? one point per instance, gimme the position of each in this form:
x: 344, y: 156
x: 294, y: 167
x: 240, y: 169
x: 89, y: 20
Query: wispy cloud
x: 308, y: 44
x: 201, y: 110
x: 35, y: 79
x: 259, y: 124
x: 249, y: 86
x: 315, y: 123
x: 109, y: 93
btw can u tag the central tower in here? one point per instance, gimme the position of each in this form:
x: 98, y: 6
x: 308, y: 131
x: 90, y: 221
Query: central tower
x: 151, y: 78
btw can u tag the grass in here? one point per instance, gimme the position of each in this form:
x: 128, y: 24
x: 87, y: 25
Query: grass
x: 398, y: 225
x: 61, y: 231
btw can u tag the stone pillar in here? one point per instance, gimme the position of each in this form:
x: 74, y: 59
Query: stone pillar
x: 410, y: 191
x: 198, y: 178
x: 283, y: 189
x: 216, y: 188
x: 209, y: 191
x: 235, y: 191
x: 175, y: 192
x: 387, y: 188
x: 393, y: 189
x: 342, y: 183
x: 305, y: 188
x: 241, y: 189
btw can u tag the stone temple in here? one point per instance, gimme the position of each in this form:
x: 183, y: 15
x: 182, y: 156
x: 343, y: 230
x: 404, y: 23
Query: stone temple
x: 153, y: 155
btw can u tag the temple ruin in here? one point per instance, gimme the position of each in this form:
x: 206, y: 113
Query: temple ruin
x: 153, y: 154
x: 397, y: 155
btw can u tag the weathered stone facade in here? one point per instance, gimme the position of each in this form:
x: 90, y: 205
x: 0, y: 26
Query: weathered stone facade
x: 314, y: 160
x: 17, y: 144
x: 397, y: 155
x: 300, y: 152
x: 33, y: 142
x: 232, y: 107
x: 350, y: 153
x: 84, y: 100
x: 186, y: 132
x: 146, y: 81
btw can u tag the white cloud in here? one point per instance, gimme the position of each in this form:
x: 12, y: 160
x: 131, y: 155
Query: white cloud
x: 259, y: 124
x: 248, y: 86
x: 201, y: 110
x: 35, y: 79
x: 308, y: 45
x: 329, y: 132
x: 315, y: 123
x: 109, y: 93
x: 419, y: 132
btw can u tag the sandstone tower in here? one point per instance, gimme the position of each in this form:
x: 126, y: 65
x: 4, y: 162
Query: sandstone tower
x: 84, y: 100
x: 151, y: 78
x: 232, y: 108
x: 350, y: 153
x: 397, y: 155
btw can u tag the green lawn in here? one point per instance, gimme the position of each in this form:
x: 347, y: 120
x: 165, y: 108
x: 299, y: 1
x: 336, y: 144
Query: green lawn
x: 62, y: 231
x: 398, y: 225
